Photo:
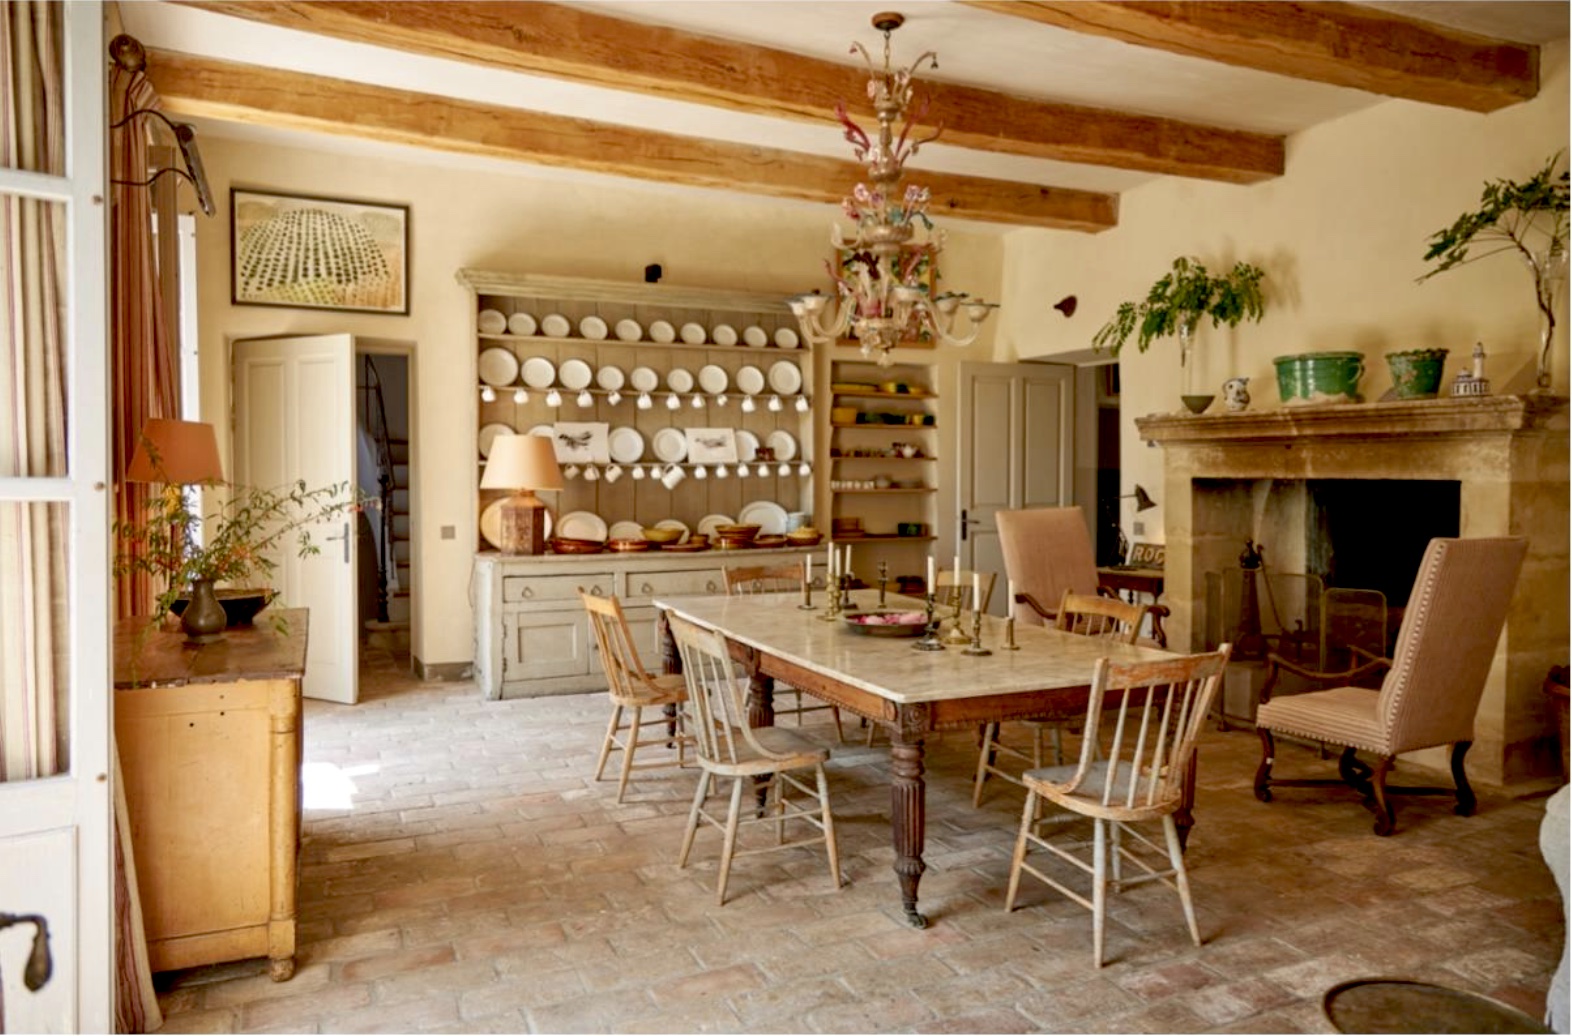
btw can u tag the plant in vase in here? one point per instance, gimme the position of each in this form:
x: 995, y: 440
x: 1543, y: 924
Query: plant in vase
x: 1175, y: 305
x: 236, y: 542
x: 1528, y: 217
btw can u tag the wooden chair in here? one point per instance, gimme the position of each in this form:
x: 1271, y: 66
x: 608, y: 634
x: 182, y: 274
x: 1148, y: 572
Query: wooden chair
x: 1432, y: 688
x: 1135, y: 773
x: 776, y: 579
x: 728, y: 747
x: 634, y: 688
x: 953, y: 589
x: 1105, y: 618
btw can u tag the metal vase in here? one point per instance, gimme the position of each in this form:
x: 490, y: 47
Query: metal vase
x: 204, y: 618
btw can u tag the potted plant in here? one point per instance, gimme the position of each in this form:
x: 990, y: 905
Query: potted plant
x: 235, y: 542
x: 1528, y: 217
x: 1176, y: 304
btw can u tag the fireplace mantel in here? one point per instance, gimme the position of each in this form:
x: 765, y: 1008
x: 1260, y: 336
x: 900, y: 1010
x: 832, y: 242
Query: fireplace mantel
x: 1509, y: 457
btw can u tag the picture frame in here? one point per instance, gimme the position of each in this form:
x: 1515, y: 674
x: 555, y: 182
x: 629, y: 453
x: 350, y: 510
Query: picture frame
x: 846, y: 262
x: 582, y: 442
x: 712, y: 445
x: 302, y: 251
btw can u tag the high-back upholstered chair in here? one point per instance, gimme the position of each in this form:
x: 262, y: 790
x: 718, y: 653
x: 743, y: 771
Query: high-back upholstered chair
x: 1142, y: 719
x: 1102, y: 617
x: 776, y: 579
x: 1047, y: 551
x: 729, y: 747
x: 1444, y: 650
x: 633, y: 688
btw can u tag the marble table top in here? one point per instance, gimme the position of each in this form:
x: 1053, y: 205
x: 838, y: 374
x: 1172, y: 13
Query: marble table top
x: 888, y: 666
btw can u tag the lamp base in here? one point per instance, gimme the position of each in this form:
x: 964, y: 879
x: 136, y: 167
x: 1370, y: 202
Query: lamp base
x: 523, y: 525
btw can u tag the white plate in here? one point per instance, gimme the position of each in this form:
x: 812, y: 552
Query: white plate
x: 575, y: 374
x: 626, y: 531
x: 662, y: 331
x: 785, y: 378
x: 679, y: 380
x: 671, y: 445
x: 610, y: 378
x: 629, y: 330
x: 724, y: 334
x: 747, y: 446
x: 713, y: 379
x: 710, y: 522
x: 491, y: 523
x: 693, y: 334
x: 644, y: 379
x: 626, y: 445
x: 492, y: 322
x: 545, y: 431
x: 489, y: 432
x: 556, y: 325
x: 782, y: 443
x: 593, y: 328
x: 755, y: 337
x: 786, y: 338
x: 750, y: 379
x: 672, y: 523
x: 582, y: 525
x: 769, y: 516
x: 539, y: 372
x: 521, y: 324
x: 497, y: 366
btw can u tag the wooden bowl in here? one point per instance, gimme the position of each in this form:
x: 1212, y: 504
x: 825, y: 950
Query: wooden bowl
x: 630, y: 546
x: 563, y: 545
x: 737, y: 532
x: 662, y: 536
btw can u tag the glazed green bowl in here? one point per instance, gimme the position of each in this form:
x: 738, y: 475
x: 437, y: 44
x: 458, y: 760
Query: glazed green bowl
x: 1416, y: 373
x: 1305, y: 379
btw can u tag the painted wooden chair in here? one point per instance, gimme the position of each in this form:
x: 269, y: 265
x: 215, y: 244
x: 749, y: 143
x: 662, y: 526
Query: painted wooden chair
x: 1138, y: 747
x: 1445, y: 646
x: 767, y: 760
x: 633, y: 689
x: 776, y: 579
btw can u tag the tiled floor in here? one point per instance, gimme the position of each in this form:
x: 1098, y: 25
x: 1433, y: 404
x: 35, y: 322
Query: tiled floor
x: 476, y: 880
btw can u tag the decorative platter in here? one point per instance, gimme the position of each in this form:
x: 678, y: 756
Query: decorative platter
x: 769, y: 516
x: 497, y: 366
x: 886, y: 623
x: 582, y: 525
x: 521, y: 323
x: 555, y: 325
x: 755, y: 337
x: 492, y: 322
x: 711, y: 522
x: 785, y: 378
x: 724, y: 334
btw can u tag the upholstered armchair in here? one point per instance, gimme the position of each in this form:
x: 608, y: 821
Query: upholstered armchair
x: 1432, y: 688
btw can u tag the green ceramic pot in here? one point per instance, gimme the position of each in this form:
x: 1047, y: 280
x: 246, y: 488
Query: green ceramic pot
x: 1329, y: 377
x: 1416, y: 374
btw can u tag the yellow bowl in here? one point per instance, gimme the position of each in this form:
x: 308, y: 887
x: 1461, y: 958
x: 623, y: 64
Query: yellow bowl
x: 658, y: 535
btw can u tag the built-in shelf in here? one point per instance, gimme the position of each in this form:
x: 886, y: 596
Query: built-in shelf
x: 881, y: 394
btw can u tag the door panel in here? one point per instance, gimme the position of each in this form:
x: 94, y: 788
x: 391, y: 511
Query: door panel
x: 1046, y: 412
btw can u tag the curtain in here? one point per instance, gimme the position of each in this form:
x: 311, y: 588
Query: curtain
x: 145, y: 376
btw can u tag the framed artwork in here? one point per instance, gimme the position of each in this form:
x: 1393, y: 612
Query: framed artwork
x: 318, y: 253
x: 850, y: 263
x: 712, y: 445
x: 582, y: 442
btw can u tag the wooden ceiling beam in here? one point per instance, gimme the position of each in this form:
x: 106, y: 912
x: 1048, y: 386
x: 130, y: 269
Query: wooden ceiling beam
x: 192, y: 86
x: 1337, y: 43
x: 579, y: 45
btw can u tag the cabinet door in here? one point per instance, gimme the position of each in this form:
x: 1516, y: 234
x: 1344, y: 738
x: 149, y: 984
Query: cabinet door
x: 536, y: 645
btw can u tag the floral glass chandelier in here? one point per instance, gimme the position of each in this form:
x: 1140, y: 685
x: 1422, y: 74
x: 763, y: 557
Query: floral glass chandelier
x: 887, y: 270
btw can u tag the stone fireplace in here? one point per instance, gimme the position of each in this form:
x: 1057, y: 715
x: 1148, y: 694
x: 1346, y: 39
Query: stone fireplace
x: 1492, y: 466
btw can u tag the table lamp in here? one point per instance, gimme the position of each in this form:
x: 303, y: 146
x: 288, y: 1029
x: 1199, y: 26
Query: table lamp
x: 522, y: 463
x: 176, y: 453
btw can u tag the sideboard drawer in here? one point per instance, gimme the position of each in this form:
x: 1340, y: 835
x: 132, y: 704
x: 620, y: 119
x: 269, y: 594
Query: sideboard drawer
x: 668, y: 584
x: 521, y: 589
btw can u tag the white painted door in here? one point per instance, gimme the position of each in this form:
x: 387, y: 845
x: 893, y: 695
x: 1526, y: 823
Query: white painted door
x: 295, y: 419
x: 56, y: 859
x: 1016, y: 450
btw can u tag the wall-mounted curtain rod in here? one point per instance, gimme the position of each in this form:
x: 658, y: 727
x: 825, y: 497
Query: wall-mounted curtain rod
x: 128, y: 54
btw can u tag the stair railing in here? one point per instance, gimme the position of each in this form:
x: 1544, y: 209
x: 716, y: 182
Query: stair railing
x: 375, y: 409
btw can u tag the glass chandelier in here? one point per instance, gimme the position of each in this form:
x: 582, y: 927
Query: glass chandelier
x: 886, y: 270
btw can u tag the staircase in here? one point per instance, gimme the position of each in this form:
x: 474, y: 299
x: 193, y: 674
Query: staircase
x: 398, y: 529
x: 387, y: 626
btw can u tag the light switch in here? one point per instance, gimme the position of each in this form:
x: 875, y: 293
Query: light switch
x: 449, y: 532
x: 1140, y: 528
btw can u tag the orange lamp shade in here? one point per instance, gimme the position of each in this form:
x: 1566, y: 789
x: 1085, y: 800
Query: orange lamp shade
x: 176, y: 452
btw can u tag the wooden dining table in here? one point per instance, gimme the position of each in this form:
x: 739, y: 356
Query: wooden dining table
x: 909, y: 692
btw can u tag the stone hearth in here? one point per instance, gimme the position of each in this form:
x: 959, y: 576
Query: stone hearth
x: 1509, y: 455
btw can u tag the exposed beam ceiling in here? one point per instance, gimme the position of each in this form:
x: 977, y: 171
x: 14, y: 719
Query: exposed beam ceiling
x: 582, y: 46
x: 200, y: 87
x: 1336, y: 43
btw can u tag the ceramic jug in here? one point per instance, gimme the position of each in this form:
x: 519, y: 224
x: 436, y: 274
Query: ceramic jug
x: 1236, y: 393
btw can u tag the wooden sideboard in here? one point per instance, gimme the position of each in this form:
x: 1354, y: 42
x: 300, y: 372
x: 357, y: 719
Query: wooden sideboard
x: 209, y: 742
x: 532, y: 636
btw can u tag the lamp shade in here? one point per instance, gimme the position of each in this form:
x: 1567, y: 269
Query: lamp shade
x: 1143, y: 499
x: 176, y: 452
x: 522, y: 462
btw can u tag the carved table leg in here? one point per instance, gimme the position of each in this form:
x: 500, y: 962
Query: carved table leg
x: 761, y: 713
x: 908, y: 804
x: 671, y: 664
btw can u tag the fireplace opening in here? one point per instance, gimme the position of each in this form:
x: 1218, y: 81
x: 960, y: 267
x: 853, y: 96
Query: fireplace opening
x: 1371, y: 534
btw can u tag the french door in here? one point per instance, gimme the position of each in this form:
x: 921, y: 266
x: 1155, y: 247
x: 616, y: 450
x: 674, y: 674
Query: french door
x: 55, y: 757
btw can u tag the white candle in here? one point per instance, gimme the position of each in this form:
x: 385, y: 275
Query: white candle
x: 930, y: 573
x: 846, y: 565
x: 1009, y: 602
x: 829, y: 563
x: 955, y: 568
x: 976, y: 591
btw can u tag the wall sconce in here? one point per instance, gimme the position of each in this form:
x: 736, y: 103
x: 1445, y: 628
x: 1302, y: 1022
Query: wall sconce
x: 1143, y: 499
x: 129, y: 55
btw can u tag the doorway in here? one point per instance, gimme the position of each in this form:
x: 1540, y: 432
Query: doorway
x: 383, y: 473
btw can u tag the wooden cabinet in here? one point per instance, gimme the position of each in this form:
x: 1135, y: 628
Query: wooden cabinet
x: 529, y: 644
x: 209, y: 743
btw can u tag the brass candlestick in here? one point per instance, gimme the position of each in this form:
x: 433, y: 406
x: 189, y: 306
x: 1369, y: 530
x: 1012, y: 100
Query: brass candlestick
x: 930, y: 639
x: 1009, y: 634
x: 975, y: 647
x: 832, y: 601
x: 807, y: 596
x: 884, y: 576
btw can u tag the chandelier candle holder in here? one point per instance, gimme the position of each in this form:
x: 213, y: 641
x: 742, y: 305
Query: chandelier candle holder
x: 882, y: 300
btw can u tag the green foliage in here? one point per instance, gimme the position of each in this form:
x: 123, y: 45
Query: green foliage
x: 1526, y: 216
x: 243, y: 535
x: 1184, y: 295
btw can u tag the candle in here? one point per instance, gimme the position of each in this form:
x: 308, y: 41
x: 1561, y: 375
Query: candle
x: 955, y: 569
x: 846, y: 565
x: 976, y: 591
x: 829, y: 563
x: 930, y: 583
x: 1009, y: 602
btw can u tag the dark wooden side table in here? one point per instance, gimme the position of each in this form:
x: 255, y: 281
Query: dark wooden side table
x: 1137, y: 580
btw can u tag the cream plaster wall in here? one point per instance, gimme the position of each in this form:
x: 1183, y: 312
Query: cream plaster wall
x: 1341, y: 236
x: 463, y: 217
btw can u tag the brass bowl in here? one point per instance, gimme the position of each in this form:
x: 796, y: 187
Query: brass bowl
x: 563, y: 545
x: 630, y: 546
x: 737, y: 532
x: 656, y: 534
